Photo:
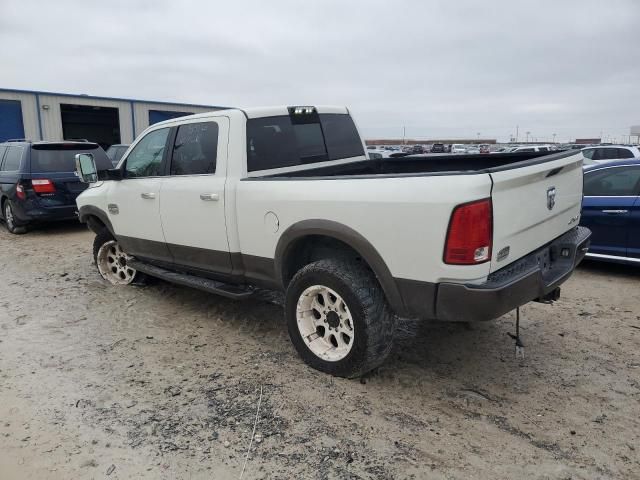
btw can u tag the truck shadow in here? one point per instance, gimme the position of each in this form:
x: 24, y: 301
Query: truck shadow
x: 480, y: 353
x: 56, y: 228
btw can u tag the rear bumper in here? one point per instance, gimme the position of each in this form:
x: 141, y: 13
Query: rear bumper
x: 533, y: 277
x: 31, y: 214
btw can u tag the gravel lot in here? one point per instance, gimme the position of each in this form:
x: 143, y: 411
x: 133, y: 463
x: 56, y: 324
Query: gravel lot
x: 160, y: 381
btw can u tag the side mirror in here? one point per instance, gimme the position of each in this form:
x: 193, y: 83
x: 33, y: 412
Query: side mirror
x: 86, y: 167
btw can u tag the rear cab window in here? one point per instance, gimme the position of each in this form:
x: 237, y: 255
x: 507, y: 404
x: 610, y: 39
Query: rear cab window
x: 299, y: 139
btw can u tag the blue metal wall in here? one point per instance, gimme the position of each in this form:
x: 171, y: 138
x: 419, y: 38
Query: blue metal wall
x: 11, y: 125
x: 156, y: 116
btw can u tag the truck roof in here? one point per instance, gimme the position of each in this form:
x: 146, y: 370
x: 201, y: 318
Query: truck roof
x: 257, y: 112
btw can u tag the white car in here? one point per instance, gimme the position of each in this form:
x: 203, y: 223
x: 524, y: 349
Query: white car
x: 285, y: 198
x: 531, y: 148
x: 606, y: 153
x: 458, y: 148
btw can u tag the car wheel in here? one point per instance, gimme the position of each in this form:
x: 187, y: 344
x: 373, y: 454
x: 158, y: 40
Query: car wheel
x: 338, y: 318
x: 10, y: 219
x: 111, y: 260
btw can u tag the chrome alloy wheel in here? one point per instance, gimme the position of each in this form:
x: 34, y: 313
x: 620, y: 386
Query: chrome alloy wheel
x: 8, y: 216
x: 325, y: 323
x: 112, y: 264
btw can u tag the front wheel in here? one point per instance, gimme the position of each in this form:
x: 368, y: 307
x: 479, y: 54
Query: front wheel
x: 338, y: 318
x: 111, y: 260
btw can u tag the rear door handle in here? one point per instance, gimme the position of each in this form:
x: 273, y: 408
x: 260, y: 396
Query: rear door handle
x: 148, y: 195
x: 615, y: 212
x: 209, y: 197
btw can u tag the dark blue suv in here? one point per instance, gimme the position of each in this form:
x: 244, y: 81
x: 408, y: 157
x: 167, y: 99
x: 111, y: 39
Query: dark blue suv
x: 38, y: 181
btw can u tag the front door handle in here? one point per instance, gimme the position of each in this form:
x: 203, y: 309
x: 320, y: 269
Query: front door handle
x: 209, y: 197
x: 615, y: 212
x: 148, y: 195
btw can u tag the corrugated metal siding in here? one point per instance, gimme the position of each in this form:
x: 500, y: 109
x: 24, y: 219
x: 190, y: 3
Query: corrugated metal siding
x: 29, y: 113
x: 52, y: 118
x: 141, y: 110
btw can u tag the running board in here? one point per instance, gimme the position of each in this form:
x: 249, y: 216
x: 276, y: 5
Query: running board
x: 205, y: 284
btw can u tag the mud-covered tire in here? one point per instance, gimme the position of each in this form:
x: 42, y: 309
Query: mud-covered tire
x: 373, y: 320
x: 9, y: 219
x: 103, y: 237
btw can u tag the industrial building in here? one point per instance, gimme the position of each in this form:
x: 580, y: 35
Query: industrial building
x: 60, y: 116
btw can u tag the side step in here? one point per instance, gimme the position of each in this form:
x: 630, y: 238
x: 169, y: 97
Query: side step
x: 212, y: 286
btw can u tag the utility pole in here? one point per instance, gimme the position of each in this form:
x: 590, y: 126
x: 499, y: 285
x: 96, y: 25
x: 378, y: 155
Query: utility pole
x: 528, y: 133
x: 517, y: 129
x: 554, y: 138
x: 404, y: 131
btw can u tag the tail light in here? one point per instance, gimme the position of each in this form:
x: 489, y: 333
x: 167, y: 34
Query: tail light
x: 43, y: 185
x: 20, y: 192
x: 469, y: 238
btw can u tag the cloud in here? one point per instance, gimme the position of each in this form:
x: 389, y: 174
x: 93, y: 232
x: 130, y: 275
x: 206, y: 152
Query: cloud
x: 439, y: 68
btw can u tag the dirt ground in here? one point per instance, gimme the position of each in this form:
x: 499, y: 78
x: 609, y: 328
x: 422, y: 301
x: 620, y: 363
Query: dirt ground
x: 164, y: 382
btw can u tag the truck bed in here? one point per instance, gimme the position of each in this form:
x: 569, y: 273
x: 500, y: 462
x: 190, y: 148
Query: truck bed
x: 445, y: 164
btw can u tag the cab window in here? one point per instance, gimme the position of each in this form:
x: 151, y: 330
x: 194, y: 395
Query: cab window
x: 146, y: 158
x: 195, y: 149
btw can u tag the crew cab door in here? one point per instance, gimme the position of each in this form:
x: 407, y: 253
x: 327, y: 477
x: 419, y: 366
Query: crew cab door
x: 610, y: 194
x: 192, y: 196
x: 134, y: 202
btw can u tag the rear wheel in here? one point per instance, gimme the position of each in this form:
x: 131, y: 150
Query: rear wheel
x: 338, y: 318
x: 10, y: 219
x: 111, y: 260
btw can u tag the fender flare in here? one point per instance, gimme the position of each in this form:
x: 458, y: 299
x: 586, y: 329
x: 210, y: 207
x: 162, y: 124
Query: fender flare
x: 350, y: 237
x: 87, y: 211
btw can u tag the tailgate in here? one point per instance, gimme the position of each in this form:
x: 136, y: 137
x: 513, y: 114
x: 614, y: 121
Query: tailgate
x: 534, y: 204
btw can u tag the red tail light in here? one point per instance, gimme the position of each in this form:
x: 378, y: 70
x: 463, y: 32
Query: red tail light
x: 43, y: 185
x: 469, y: 238
x: 20, y: 192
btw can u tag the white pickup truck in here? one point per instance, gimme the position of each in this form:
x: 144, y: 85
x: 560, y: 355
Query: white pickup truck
x: 286, y: 198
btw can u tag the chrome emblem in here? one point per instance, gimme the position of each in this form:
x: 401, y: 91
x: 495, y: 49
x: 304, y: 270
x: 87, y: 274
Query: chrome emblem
x: 551, y: 197
x: 503, y: 253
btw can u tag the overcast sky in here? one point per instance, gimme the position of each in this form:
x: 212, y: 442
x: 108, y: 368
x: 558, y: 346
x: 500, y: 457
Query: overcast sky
x: 439, y: 68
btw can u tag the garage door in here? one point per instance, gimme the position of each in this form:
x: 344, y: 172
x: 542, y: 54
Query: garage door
x: 156, y: 116
x: 11, y: 125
